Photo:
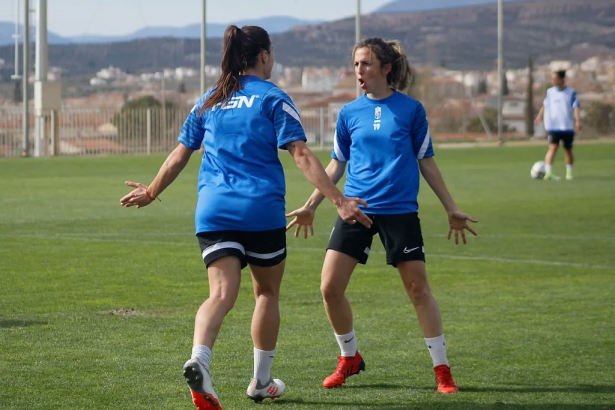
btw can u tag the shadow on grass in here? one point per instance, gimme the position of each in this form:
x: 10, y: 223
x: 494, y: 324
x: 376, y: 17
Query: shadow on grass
x: 585, y: 388
x: 7, y: 323
x: 448, y: 406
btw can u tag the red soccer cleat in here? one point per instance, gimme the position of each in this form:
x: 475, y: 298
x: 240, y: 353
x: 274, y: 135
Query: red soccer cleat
x: 444, y: 378
x: 203, y: 395
x: 346, y: 367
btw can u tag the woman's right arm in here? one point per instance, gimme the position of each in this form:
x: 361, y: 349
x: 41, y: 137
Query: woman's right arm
x: 347, y: 208
x: 143, y: 195
x: 335, y: 170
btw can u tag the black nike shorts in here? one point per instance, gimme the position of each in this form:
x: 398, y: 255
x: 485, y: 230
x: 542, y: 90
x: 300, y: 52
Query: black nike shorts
x: 400, y: 234
x: 566, y: 137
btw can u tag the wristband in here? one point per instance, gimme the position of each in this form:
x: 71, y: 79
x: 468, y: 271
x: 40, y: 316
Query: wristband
x: 151, y: 198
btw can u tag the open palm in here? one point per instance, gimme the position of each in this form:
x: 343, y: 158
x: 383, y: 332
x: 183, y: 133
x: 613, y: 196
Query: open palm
x: 304, y: 218
x: 458, y: 222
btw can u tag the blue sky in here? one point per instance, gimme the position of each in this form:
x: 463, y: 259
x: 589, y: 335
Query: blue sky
x: 118, y: 17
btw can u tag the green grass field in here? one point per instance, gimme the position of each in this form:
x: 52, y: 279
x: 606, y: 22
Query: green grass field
x: 528, y: 305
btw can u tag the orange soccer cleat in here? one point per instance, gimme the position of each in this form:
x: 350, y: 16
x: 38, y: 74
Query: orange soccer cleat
x: 346, y: 367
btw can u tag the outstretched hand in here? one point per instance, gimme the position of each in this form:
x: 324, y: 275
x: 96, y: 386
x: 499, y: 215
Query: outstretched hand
x: 304, y: 218
x: 458, y: 222
x: 138, y: 196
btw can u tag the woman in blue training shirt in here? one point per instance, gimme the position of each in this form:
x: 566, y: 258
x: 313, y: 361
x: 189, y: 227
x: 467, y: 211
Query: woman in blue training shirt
x: 384, y: 138
x: 240, y: 221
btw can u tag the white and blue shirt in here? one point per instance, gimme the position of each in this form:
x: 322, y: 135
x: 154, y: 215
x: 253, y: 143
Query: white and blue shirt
x: 241, y: 181
x: 382, y: 140
x: 559, y: 109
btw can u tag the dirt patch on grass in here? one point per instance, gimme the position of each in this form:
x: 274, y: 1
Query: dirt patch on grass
x: 125, y: 312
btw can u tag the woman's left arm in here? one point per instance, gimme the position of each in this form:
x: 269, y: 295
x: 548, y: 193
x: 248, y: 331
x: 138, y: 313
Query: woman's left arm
x: 458, y: 221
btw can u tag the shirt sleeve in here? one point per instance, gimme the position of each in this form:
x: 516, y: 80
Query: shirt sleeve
x: 279, y: 108
x: 341, y: 139
x: 421, y: 138
x: 193, y: 130
x: 575, y: 100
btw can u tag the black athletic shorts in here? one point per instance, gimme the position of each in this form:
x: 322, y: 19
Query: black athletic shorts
x: 260, y: 248
x: 400, y: 234
x: 567, y: 137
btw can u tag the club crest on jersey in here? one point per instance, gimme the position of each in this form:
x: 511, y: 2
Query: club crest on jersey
x: 377, y: 116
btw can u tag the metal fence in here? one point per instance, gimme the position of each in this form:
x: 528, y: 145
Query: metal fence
x: 130, y: 131
x: 98, y: 131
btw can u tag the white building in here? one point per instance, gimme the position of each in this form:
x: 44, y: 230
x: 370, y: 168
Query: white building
x: 318, y: 79
x: 111, y: 73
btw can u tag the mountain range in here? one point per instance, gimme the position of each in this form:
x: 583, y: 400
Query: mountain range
x: 460, y: 38
x: 274, y: 24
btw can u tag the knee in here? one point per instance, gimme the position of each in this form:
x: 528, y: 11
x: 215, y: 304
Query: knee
x: 267, y: 292
x: 419, y: 292
x: 330, y: 294
x: 223, y: 301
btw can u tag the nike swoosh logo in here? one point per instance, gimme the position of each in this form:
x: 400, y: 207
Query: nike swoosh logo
x: 406, y: 250
x: 349, y: 340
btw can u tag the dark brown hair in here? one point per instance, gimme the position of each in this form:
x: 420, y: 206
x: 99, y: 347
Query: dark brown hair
x: 390, y: 52
x: 240, y: 50
x: 561, y: 74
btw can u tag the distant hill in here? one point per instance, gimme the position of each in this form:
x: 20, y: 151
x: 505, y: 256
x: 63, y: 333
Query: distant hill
x: 8, y: 29
x: 401, y: 6
x: 466, y: 38
x: 463, y: 38
x: 275, y: 24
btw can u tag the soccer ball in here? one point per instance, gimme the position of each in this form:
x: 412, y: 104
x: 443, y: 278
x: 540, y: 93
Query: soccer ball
x: 538, y: 170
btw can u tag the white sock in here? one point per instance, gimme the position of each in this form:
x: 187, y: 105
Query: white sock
x: 548, y: 168
x: 568, y: 168
x: 203, y: 354
x: 348, y: 343
x: 263, y: 359
x: 437, y: 350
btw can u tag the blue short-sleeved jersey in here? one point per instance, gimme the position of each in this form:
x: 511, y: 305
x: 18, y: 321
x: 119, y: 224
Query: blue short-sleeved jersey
x: 382, y: 141
x: 241, y: 181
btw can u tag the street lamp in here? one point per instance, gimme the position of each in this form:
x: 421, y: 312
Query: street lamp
x: 203, y: 47
x: 500, y: 68
x: 358, y: 38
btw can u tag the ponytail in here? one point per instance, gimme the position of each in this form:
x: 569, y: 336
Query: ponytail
x: 240, y: 49
x: 232, y: 65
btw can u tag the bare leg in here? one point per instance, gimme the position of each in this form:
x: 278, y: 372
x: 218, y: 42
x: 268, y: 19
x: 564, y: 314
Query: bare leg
x: 336, y: 272
x: 224, y: 278
x: 569, y: 156
x: 266, y: 317
x: 414, y: 276
x: 551, y: 154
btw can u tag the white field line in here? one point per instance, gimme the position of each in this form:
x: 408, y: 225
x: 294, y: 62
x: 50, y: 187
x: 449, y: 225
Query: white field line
x: 328, y: 233
x: 111, y: 239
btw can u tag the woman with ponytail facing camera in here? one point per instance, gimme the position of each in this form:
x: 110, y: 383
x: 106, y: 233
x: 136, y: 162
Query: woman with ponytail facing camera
x: 384, y: 138
x: 239, y: 218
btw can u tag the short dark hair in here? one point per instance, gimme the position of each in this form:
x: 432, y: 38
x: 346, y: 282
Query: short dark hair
x: 560, y: 73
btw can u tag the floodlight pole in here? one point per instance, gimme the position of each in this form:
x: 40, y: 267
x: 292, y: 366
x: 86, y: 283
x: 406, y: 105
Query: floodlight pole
x: 358, y: 38
x: 17, y: 36
x: 500, y: 68
x: 24, y: 78
x: 40, y: 75
x: 203, y: 48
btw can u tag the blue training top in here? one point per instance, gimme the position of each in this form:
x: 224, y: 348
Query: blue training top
x: 382, y: 141
x: 241, y: 181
